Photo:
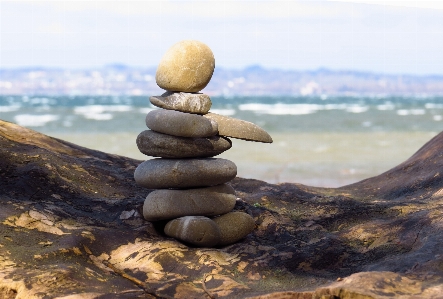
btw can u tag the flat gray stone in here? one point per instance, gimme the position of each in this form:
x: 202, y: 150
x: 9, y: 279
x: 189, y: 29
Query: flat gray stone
x: 180, y: 124
x: 199, y: 103
x: 234, y: 226
x: 169, y: 204
x: 156, y: 144
x: 237, y: 128
x: 196, y: 230
x: 163, y: 173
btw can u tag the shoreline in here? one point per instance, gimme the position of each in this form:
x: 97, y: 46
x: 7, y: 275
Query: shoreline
x: 315, y: 159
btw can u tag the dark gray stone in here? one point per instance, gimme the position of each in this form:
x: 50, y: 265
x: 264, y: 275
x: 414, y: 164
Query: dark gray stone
x: 156, y: 144
x: 168, y: 204
x: 180, y: 124
x: 184, y: 173
x: 196, y: 230
x: 199, y: 103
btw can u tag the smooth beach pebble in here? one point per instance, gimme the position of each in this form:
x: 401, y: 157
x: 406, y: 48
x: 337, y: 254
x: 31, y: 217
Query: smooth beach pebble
x: 184, y: 173
x: 237, y: 128
x: 180, y: 124
x: 156, y: 144
x: 168, y: 204
x: 187, y: 66
x: 234, y: 226
x: 197, y: 230
x: 199, y: 103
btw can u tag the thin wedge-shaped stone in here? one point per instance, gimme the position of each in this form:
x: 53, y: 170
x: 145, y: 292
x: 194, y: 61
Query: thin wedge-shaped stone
x: 237, y: 128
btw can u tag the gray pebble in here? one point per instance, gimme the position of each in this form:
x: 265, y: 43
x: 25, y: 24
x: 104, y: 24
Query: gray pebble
x: 168, y: 204
x: 196, y: 230
x: 199, y: 103
x: 180, y: 124
x: 184, y: 173
x: 234, y: 226
x: 156, y: 144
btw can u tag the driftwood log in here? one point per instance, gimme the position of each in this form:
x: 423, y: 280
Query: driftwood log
x: 71, y: 227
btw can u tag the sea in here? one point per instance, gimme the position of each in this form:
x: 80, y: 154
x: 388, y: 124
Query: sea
x: 324, y: 141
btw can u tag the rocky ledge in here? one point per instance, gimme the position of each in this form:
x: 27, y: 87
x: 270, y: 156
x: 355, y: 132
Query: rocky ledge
x: 72, y: 227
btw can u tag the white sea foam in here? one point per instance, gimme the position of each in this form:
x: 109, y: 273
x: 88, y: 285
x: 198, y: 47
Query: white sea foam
x: 299, y: 109
x: 405, y: 112
x: 437, y: 117
x: 30, y: 120
x: 96, y: 112
x: 101, y: 108
x: 433, y: 106
x: 386, y: 106
x: 227, y: 112
x: 9, y: 108
x: 281, y: 109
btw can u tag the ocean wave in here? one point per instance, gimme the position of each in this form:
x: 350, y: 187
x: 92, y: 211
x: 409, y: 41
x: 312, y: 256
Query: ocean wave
x: 30, y: 120
x: 405, y: 112
x: 227, y: 112
x: 9, y: 108
x: 281, y: 109
x: 101, y: 108
x: 433, y: 106
x: 299, y: 109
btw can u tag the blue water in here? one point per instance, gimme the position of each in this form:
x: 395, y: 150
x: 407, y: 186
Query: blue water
x: 275, y: 114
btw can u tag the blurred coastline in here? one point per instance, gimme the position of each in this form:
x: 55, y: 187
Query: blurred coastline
x: 318, y: 141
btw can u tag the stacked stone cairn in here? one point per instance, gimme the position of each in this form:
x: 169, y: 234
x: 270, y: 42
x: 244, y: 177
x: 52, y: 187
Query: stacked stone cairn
x: 191, y: 186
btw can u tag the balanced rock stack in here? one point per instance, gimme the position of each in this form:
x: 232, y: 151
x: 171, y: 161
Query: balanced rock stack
x: 191, y: 186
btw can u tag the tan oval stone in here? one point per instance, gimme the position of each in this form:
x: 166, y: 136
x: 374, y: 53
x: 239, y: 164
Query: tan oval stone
x: 234, y: 226
x: 166, y: 146
x: 237, y: 128
x: 196, y: 230
x: 199, y: 103
x: 180, y: 124
x: 184, y: 173
x: 187, y: 66
x: 168, y: 204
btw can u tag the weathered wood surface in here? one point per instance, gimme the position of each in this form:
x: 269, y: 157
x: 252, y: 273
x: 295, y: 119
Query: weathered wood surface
x: 71, y: 227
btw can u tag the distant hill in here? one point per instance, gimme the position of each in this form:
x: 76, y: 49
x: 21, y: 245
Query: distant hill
x: 118, y: 79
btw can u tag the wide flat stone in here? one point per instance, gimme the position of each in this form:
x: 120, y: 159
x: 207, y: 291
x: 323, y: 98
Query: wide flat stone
x: 196, y: 230
x: 199, y: 103
x: 187, y: 66
x: 234, y: 226
x: 237, y: 128
x: 169, y: 204
x: 184, y: 173
x: 180, y: 124
x: 156, y: 144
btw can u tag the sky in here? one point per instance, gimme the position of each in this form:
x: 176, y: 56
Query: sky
x: 396, y: 37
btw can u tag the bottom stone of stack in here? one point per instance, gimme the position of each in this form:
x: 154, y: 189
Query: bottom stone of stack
x: 196, y: 230
x: 166, y: 204
x: 205, y: 232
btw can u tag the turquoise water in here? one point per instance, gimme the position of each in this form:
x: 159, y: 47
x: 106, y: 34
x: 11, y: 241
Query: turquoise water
x: 323, y: 141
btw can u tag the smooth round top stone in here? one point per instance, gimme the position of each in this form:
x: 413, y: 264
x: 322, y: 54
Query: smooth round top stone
x: 187, y: 66
x: 198, y: 103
